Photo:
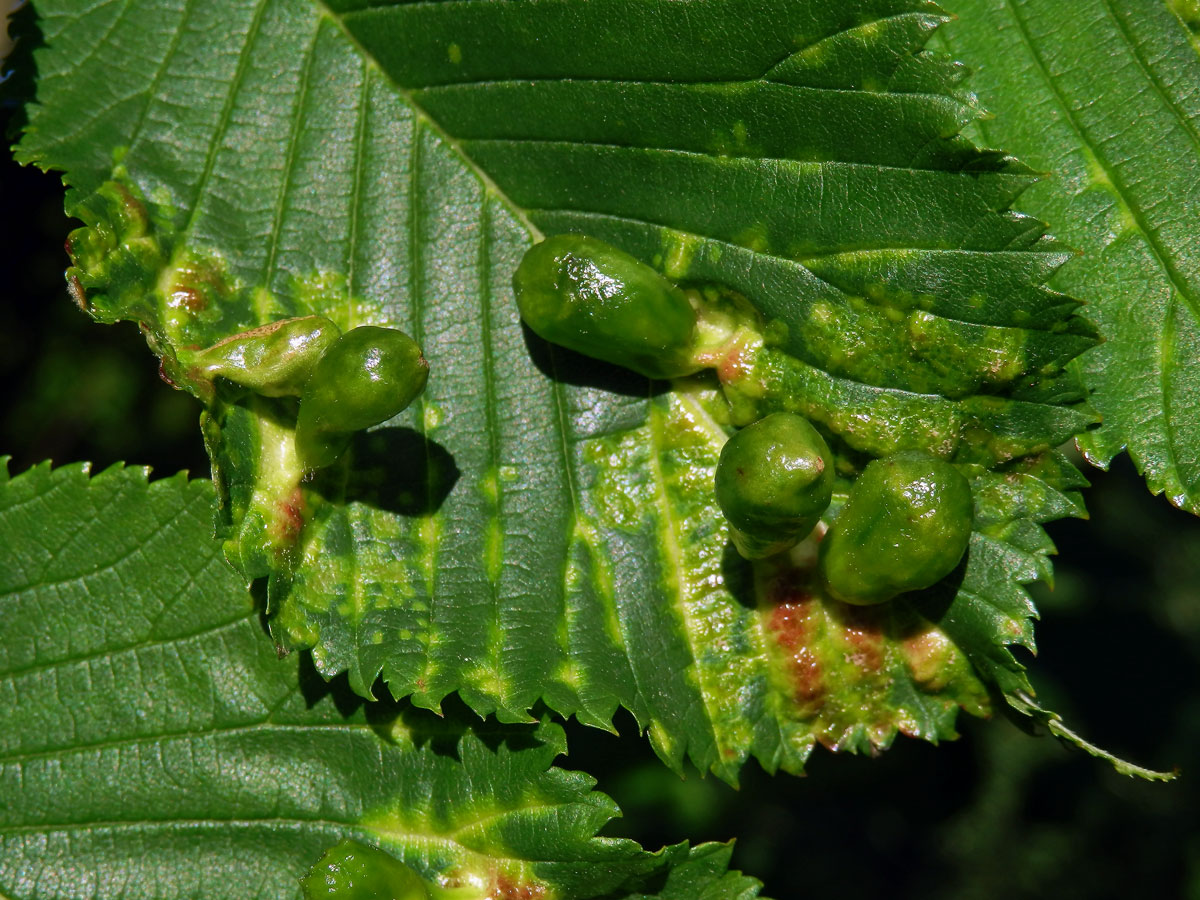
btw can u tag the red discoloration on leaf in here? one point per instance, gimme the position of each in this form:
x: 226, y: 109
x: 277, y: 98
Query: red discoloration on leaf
x: 162, y: 374
x: 791, y: 625
x: 134, y: 207
x: 189, y: 298
x: 928, y: 653
x: 508, y: 888
x: 733, y: 366
x: 863, y: 634
x: 195, y: 282
x: 290, y: 518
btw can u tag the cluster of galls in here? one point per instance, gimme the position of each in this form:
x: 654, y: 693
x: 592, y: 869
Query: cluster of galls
x: 908, y: 517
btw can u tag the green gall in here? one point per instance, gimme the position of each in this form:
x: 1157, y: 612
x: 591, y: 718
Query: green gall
x: 353, y: 871
x: 774, y: 480
x: 590, y: 297
x: 904, y: 527
x: 274, y: 360
x: 365, y: 377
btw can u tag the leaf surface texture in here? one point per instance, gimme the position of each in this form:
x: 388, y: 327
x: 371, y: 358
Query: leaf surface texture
x: 1102, y: 95
x: 153, y: 745
x: 538, y: 526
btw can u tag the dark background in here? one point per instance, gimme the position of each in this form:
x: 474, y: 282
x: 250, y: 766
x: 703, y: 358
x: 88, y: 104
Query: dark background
x: 995, y: 814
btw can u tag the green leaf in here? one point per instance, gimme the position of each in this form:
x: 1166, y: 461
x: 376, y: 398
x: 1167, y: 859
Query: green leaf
x: 539, y: 526
x: 1100, y: 94
x: 152, y: 744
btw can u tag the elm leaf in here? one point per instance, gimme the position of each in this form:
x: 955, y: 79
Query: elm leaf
x: 538, y: 526
x: 153, y: 745
x: 1101, y: 95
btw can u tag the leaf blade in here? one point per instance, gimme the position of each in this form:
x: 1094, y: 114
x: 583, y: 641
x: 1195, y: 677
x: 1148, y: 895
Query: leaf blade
x: 1120, y: 195
x: 199, y: 764
x: 523, y: 467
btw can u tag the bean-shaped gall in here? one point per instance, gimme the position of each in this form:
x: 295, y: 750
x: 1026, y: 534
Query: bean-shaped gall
x: 366, y: 376
x: 274, y: 360
x: 588, y: 296
x: 354, y: 871
x: 905, y: 526
x: 774, y: 480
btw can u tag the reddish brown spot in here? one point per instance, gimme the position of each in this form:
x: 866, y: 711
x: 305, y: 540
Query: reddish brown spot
x: 789, y: 624
x: 162, y: 373
x: 928, y: 653
x: 863, y: 634
x: 509, y: 889
x: 290, y: 521
x: 454, y: 879
x: 189, y: 298
x: 792, y: 626
x: 78, y: 294
x: 133, y: 205
x: 257, y: 331
x: 805, y: 672
x: 732, y: 366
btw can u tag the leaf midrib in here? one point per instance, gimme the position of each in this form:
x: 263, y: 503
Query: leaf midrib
x: 455, y: 146
x: 13, y: 674
x: 251, y: 727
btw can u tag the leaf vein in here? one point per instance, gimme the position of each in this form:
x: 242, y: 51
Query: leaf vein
x: 289, y: 162
x: 1136, y: 51
x: 13, y: 674
x: 252, y: 727
x: 1110, y: 170
x: 218, y: 133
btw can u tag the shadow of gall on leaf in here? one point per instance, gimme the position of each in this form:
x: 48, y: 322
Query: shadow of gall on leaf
x: 738, y: 573
x: 575, y: 369
x: 394, y: 469
x: 394, y: 720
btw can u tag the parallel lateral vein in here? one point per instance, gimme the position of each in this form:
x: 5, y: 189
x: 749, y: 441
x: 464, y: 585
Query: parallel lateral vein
x: 1134, y: 212
x: 208, y: 631
x: 252, y: 727
x: 289, y: 160
x: 218, y: 134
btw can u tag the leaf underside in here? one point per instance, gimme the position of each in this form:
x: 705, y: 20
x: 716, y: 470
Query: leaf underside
x: 538, y: 526
x: 153, y: 745
x: 1102, y: 95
